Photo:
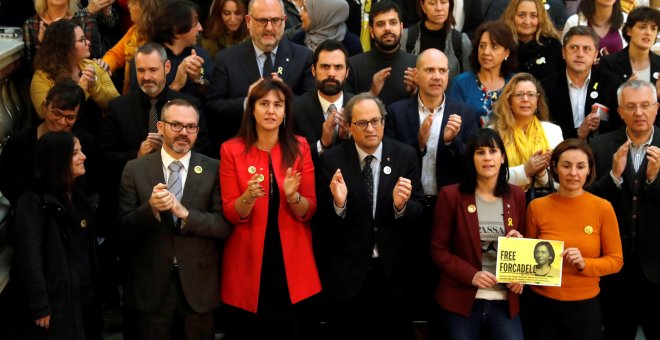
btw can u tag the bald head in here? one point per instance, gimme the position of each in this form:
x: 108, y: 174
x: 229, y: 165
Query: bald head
x: 432, y: 76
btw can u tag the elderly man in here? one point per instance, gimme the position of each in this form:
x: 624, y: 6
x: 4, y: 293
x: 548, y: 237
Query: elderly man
x: 373, y: 201
x: 237, y: 68
x: 627, y: 163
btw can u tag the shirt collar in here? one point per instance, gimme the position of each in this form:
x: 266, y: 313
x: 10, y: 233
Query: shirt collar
x: 167, y: 159
x: 363, y: 154
x: 647, y: 143
x: 426, y: 110
x: 339, y: 103
x: 259, y: 52
x: 586, y: 82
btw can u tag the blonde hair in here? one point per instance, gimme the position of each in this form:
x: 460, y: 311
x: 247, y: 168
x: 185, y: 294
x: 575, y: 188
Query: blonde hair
x: 545, y: 28
x: 41, y: 6
x: 504, y: 121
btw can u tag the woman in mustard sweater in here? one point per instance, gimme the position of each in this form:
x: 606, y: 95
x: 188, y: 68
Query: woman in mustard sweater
x: 592, y: 248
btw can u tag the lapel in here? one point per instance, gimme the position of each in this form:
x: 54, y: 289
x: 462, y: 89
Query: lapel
x: 623, y: 61
x: 413, y: 116
x: 249, y: 61
x: 564, y: 114
x: 472, y: 219
x: 595, y: 86
x: 655, y: 67
x: 282, y: 59
x: 315, y: 114
x: 193, y: 179
x: 139, y: 117
x: 384, y: 194
x: 155, y: 175
x: 354, y: 171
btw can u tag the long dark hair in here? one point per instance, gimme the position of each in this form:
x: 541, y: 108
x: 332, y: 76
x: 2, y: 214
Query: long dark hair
x: 484, y: 138
x: 286, y: 138
x: 501, y: 34
x: 215, y: 28
x: 53, y: 163
x: 55, y: 50
x: 588, y: 9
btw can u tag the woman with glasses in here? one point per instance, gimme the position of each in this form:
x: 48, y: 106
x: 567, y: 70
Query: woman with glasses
x: 493, y: 60
x: 521, y: 118
x: 472, y: 302
x: 326, y: 19
x: 267, y: 183
x: 56, y: 247
x: 592, y: 248
x: 637, y: 61
x: 539, y: 49
x: 64, y: 52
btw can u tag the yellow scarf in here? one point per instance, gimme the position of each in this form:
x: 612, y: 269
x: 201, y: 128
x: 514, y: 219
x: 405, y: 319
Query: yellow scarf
x: 524, y: 145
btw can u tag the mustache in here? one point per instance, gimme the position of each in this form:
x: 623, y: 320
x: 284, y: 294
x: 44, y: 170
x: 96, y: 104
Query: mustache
x: 182, y: 139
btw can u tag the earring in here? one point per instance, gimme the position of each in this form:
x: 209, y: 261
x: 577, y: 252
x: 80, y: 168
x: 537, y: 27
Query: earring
x: 506, y: 58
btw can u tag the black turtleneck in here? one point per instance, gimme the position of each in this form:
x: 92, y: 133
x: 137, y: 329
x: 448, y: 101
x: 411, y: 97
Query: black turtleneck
x: 431, y: 38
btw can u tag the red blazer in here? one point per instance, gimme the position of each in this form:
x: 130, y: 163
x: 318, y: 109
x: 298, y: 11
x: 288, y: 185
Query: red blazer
x: 241, y: 263
x: 456, y: 245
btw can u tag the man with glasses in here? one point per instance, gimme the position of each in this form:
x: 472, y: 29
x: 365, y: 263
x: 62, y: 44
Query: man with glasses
x: 369, y: 200
x: 583, y: 99
x: 169, y: 220
x: 237, y: 68
x: 627, y: 163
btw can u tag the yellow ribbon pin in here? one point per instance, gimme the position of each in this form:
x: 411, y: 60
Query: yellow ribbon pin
x: 510, y: 222
x: 596, y: 86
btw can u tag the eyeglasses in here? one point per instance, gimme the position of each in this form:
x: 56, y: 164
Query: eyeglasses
x: 529, y: 94
x: 362, y: 124
x: 645, y: 106
x: 177, y: 127
x: 57, y: 115
x: 82, y: 39
x: 263, y: 22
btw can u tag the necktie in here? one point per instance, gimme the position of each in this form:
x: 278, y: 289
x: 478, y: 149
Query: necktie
x: 153, y: 116
x: 365, y: 38
x: 174, y: 180
x: 368, y: 176
x: 268, y: 66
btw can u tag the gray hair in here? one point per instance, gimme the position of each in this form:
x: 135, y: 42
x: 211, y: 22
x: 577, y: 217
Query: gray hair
x: 249, y: 9
x: 348, y: 108
x: 636, y: 84
x: 152, y: 47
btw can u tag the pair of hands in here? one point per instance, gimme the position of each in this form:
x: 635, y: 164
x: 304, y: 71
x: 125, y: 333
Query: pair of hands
x: 292, y: 181
x: 452, y: 129
x: 537, y: 163
x: 378, y: 80
x: 483, y: 279
x: 191, y: 68
x: 88, y: 78
x: 163, y: 200
x: 590, y: 124
x: 400, y: 194
x: 328, y: 132
x: 620, y: 159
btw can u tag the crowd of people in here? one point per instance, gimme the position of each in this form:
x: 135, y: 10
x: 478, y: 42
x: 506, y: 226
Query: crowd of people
x: 335, y: 169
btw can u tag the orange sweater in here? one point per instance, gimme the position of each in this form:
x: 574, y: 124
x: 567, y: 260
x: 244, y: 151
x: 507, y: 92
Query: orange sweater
x: 566, y: 219
x: 122, y: 53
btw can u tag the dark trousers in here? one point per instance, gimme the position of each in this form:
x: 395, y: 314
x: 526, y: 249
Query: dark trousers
x: 549, y: 319
x: 630, y: 300
x: 173, y: 319
x: 487, y: 320
x: 375, y: 313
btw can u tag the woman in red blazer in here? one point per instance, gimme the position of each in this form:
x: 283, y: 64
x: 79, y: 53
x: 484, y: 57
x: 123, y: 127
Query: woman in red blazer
x: 267, y: 185
x: 469, y: 217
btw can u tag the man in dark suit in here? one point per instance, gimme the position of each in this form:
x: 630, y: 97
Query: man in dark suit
x: 238, y: 68
x: 372, y: 201
x: 627, y: 163
x: 168, y: 230
x: 438, y: 128
x: 318, y: 113
x: 572, y: 95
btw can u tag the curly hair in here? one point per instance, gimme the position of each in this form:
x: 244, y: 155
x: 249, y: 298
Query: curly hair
x: 53, y: 56
x: 214, y: 27
x: 504, y: 120
x: 149, y: 10
x: 545, y: 27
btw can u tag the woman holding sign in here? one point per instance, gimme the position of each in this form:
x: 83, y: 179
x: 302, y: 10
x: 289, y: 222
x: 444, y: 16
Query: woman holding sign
x: 592, y: 248
x: 467, y: 225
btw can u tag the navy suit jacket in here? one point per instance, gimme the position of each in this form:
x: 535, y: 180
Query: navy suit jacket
x: 309, y: 119
x: 347, y: 243
x: 603, y: 83
x: 402, y: 123
x: 236, y: 69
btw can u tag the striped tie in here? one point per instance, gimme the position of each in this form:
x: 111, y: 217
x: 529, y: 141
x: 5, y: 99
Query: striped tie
x: 174, y: 180
x: 153, y: 116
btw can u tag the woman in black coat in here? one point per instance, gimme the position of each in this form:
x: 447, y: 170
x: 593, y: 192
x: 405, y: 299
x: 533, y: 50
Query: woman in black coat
x: 55, y: 246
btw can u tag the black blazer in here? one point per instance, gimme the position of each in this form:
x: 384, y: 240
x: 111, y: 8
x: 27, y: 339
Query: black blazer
x: 603, y: 83
x: 309, y: 119
x: 619, y: 64
x: 236, y: 69
x: 150, y: 245
x: 648, y: 200
x: 402, y: 124
x: 347, y: 243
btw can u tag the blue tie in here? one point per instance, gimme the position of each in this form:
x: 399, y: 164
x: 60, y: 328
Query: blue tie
x: 174, y: 180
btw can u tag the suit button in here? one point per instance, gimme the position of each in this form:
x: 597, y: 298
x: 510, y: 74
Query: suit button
x: 634, y: 217
x: 375, y: 228
x: 634, y: 198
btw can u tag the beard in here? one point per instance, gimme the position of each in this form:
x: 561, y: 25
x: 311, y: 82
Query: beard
x: 388, y: 47
x: 330, y: 86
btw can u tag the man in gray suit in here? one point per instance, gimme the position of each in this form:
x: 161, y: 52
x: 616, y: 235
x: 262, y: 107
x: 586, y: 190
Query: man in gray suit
x: 169, y: 230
